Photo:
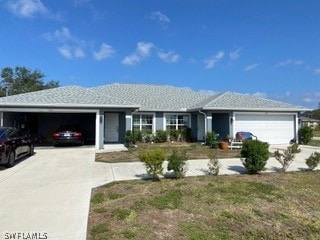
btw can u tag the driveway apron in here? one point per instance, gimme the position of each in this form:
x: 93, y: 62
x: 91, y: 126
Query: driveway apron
x: 49, y: 193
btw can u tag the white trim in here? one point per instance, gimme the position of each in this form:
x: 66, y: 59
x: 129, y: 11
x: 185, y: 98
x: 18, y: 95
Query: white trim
x: 129, y: 116
x: 49, y: 110
x: 266, y: 113
x: 209, y: 117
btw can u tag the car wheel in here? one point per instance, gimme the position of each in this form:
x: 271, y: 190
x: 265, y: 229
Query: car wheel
x: 31, y: 152
x: 10, y: 158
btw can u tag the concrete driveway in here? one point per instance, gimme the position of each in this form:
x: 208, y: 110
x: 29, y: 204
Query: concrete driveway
x: 49, y: 193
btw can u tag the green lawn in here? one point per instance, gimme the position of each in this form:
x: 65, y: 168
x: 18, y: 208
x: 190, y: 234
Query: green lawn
x: 266, y: 206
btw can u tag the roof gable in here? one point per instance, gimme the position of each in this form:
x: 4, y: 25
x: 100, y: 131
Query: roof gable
x: 237, y: 101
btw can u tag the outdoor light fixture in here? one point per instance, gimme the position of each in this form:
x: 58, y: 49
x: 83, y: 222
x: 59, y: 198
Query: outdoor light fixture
x: 231, y: 120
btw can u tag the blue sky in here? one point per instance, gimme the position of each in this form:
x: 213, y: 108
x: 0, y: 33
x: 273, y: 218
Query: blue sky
x: 269, y: 48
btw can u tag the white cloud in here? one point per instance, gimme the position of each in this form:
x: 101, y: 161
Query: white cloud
x: 312, y: 97
x: 106, y: 51
x: 250, y: 67
x: 79, y: 53
x: 62, y: 35
x: 72, y: 46
x: 260, y: 94
x: 162, y: 19
x: 80, y: 2
x: 235, y: 54
x: 307, y: 100
x: 209, y: 92
x: 133, y: 59
x: 27, y: 8
x: 317, y: 70
x: 70, y: 52
x: 289, y: 62
x: 210, y: 62
x: 30, y: 9
x: 65, y: 51
x: 169, y: 57
x: 143, y: 51
x: 192, y: 60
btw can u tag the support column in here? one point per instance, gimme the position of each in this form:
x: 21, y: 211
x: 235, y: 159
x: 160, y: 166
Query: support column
x: 296, y: 127
x: 128, y: 121
x: 1, y: 119
x: 99, y: 129
x: 209, y: 123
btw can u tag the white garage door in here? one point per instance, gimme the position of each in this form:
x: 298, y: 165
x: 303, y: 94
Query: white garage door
x: 271, y: 128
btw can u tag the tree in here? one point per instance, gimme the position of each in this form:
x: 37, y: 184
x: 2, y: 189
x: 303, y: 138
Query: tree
x: 23, y: 80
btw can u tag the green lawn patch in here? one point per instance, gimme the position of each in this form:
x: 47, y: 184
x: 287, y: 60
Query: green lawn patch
x: 265, y: 206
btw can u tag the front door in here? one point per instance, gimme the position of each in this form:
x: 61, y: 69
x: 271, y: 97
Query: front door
x: 111, y: 132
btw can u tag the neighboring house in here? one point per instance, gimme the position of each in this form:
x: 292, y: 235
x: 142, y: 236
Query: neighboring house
x: 313, y: 123
x: 107, y: 112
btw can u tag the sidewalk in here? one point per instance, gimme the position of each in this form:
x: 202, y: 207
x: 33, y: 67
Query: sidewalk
x: 136, y: 170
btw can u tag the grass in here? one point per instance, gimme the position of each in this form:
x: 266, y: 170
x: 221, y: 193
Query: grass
x: 315, y: 143
x: 193, y: 150
x: 266, y: 206
x: 316, y: 133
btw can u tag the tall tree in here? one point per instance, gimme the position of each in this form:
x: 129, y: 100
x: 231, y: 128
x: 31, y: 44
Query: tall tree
x: 23, y: 80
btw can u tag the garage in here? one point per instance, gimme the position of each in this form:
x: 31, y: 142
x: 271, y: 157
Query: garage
x: 273, y: 128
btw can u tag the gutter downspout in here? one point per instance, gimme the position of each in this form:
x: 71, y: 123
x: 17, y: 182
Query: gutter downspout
x: 205, y: 124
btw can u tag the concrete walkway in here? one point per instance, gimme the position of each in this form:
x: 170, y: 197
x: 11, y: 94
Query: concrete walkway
x: 136, y: 170
x: 50, y: 192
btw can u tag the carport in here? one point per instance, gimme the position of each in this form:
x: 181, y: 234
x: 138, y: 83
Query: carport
x: 40, y: 113
x: 41, y: 125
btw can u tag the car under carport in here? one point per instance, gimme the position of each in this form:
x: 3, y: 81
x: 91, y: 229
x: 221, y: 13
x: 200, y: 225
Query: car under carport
x: 41, y: 125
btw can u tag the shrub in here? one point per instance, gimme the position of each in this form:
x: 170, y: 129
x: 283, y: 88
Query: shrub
x: 254, y: 155
x: 285, y: 158
x: 186, y: 135
x: 153, y: 161
x: 313, y: 160
x: 146, y: 136
x: 161, y: 136
x: 212, y: 139
x: 213, y: 164
x: 174, y: 134
x: 295, y: 148
x: 305, y: 134
x: 177, y: 163
x: 129, y: 138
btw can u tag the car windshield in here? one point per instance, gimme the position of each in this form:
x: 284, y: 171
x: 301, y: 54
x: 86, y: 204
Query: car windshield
x: 3, y: 134
x: 72, y: 128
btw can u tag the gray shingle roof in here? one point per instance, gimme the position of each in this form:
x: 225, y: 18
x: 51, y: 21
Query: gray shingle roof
x: 64, y: 96
x: 153, y: 97
x: 144, y: 97
x: 237, y: 101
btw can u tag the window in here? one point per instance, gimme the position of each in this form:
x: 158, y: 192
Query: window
x: 175, y: 121
x: 142, y: 122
